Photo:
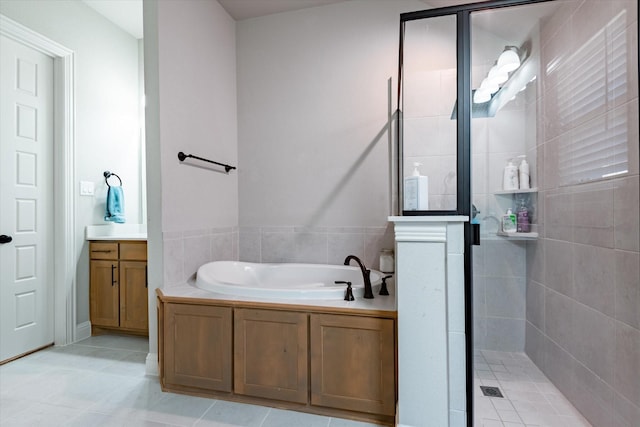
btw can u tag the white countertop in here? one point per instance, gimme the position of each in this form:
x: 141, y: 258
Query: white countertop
x: 379, y: 302
x: 116, y: 232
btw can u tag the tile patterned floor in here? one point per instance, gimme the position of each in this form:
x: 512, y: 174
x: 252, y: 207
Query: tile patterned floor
x: 530, y: 399
x: 101, y: 381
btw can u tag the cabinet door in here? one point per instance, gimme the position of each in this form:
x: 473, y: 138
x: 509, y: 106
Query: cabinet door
x: 197, y: 346
x: 104, y: 289
x: 134, y: 311
x: 271, y: 354
x: 353, y: 363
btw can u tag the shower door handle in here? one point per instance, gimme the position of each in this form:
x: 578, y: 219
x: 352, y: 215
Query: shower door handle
x: 5, y: 239
x: 472, y: 234
x: 475, y: 230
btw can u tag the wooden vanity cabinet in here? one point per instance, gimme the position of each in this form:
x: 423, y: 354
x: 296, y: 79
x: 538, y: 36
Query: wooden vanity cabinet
x: 118, y: 286
x: 271, y: 354
x: 353, y: 363
x: 196, y: 347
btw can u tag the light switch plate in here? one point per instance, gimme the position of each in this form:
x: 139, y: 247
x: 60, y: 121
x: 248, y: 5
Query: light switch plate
x: 87, y: 188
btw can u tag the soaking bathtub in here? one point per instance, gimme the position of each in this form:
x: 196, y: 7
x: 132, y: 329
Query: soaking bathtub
x: 283, y: 281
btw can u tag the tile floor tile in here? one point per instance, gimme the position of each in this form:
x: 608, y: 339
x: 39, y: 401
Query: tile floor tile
x: 530, y: 399
x: 224, y: 413
x: 282, y: 418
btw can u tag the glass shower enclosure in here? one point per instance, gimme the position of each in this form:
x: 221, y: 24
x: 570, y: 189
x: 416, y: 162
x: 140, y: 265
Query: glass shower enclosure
x: 523, y: 116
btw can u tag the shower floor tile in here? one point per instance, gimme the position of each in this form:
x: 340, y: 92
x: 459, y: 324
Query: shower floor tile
x: 530, y: 399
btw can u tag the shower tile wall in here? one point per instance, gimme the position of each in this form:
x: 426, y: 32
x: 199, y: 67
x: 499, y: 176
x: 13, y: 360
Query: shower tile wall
x: 499, y: 265
x: 583, y: 274
x: 499, y: 294
x: 185, y: 251
x: 318, y: 245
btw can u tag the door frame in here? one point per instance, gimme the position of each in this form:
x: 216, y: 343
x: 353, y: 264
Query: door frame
x: 64, y: 289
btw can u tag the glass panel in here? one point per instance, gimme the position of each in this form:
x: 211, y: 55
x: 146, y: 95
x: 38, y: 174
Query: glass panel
x: 570, y: 106
x: 429, y: 141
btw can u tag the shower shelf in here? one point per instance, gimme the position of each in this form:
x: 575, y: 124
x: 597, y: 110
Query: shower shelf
x: 518, y: 236
x: 521, y: 191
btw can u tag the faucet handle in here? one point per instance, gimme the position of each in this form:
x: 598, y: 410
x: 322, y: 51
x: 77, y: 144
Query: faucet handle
x: 348, y: 295
x: 383, y: 288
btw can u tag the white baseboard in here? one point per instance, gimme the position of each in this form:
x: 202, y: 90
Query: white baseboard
x: 83, y: 331
x: 151, y: 365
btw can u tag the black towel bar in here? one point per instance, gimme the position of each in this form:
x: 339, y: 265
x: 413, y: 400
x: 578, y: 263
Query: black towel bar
x: 182, y: 157
x: 108, y: 175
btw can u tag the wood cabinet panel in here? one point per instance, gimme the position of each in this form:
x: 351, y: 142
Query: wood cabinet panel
x: 104, y: 289
x: 197, y: 346
x: 133, y: 251
x: 103, y: 250
x: 353, y: 363
x: 271, y: 354
x: 133, y: 295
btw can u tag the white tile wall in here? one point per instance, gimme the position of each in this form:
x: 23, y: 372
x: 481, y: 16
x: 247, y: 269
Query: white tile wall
x: 318, y: 245
x: 185, y: 252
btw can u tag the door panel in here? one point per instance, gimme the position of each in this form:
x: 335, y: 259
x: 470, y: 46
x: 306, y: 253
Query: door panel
x: 26, y: 194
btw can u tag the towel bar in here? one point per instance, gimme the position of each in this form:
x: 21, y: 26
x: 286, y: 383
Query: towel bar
x: 182, y: 157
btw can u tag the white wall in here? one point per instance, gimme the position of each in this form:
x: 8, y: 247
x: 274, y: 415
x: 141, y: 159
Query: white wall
x: 106, y: 125
x: 190, y: 87
x: 314, y: 91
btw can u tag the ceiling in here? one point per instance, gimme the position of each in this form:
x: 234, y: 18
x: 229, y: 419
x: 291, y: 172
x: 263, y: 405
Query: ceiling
x: 127, y: 14
x: 245, y: 9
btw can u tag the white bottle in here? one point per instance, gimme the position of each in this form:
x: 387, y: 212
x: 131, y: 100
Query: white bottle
x: 416, y: 191
x: 510, y: 179
x: 387, y: 262
x: 524, y: 173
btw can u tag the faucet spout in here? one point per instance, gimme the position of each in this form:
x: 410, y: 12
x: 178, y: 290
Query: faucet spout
x: 368, y: 292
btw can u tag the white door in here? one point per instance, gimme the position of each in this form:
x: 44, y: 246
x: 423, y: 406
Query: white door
x: 26, y: 199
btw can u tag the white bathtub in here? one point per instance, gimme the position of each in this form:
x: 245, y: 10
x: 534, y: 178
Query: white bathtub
x: 283, y: 281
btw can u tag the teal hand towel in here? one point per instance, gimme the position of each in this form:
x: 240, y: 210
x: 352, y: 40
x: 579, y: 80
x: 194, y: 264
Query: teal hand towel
x: 115, y: 205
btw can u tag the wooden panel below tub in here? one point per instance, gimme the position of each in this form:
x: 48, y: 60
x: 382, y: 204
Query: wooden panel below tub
x: 197, y: 350
x: 270, y: 356
x: 273, y: 364
x: 353, y: 363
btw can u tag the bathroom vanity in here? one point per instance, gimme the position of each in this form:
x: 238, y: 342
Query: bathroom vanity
x: 336, y: 361
x: 118, y: 288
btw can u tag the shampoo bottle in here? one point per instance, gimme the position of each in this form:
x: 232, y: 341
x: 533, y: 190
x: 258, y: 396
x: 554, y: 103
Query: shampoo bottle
x: 524, y: 173
x: 416, y: 191
x: 510, y: 178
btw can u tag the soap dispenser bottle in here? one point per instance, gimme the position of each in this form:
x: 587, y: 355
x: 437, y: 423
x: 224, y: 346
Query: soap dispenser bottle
x: 509, y: 222
x: 524, y: 226
x: 416, y: 191
x: 510, y: 178
x: 524, y: 173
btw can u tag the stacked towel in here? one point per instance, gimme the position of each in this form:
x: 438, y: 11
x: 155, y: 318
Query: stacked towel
x: 115, y: 205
